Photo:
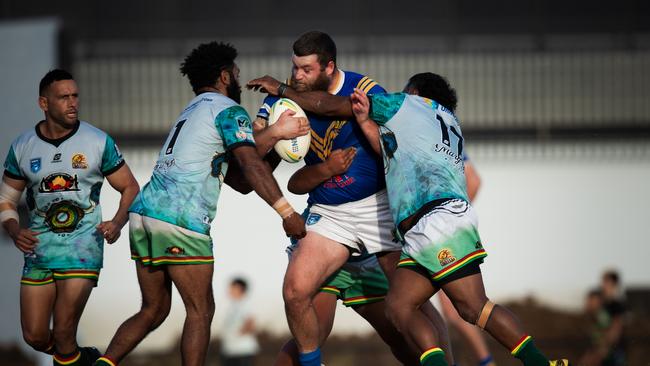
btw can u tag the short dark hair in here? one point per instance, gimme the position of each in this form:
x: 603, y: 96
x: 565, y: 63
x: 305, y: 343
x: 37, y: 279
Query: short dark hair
x: 316, y: 43
x: 240, y: 282
x: 204, y: 64
x: 434, y: 86
x: 612, y: 275
x: 51, y: 77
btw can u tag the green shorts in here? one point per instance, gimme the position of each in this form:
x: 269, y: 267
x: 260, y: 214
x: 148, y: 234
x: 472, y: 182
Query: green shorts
x: 33, y: 276
x: 443, y: 241
x: 155, y: 242
x: 358, y: 282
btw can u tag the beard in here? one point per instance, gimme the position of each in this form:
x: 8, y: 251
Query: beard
x: 321, y: 83
x: 234, y: 89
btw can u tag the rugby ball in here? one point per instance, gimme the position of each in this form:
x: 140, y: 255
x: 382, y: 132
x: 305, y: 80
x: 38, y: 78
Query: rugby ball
x: 295, y: 149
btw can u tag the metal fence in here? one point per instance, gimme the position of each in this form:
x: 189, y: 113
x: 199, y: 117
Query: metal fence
x: 499, y: 91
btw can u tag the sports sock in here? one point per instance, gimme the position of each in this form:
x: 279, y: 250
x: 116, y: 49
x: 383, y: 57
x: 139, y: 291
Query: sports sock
x: 434, y: 356
x: 104, y: 361
x: 310, y: 359
x: 70, y: 359
x: 487, y: 361
x: 526, y: 351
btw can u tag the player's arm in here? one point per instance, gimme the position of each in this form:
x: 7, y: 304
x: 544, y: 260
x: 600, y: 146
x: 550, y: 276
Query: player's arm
x: 318, y: 102
x: 305, y: 179
x: 123, y: 181
x: 361, y: 110
x: 287, y: 127
x: 473, y: 180
x: 259, y: 176
x: 10, y: 191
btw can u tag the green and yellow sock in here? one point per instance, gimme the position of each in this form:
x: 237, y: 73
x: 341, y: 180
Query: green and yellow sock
x: 434, y: 356
x: 526, y: 351
x: 70, y: 359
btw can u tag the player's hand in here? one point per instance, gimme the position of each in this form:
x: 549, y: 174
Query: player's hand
x: 294, y: 226
x: 24, y: 239
x: 340, y: 160
x: 360, y: 105
x: 288, y: 127
x: 265, y: 84
x: 259, y: 125
x: 110, y: 231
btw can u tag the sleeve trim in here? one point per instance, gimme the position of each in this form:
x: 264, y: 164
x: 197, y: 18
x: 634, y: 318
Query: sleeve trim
x: 114, y: 169
x: 14, y: 176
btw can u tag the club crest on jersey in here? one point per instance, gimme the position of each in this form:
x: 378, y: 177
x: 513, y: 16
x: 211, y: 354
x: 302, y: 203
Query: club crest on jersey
x: 445, y: 256
x: 58, y: 182
x: 79, y: 161
x: 35, y: 165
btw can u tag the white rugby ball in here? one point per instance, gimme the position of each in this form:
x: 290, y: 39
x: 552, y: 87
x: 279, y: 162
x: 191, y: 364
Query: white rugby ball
x: 295, y: 149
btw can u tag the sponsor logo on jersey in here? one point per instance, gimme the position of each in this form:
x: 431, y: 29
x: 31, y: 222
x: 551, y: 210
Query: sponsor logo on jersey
x: 56, y: 158
x: 478, y: 244
x: 174, y: 250
x: 445, y: 256
x: 243, y: 122
x: 58, y: 182
x: 79, y: 161
x: 35, y: 165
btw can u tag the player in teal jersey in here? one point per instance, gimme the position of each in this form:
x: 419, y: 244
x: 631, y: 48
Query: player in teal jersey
x: 171, y: 217
x: 62, y: 163
x: 422, y: 145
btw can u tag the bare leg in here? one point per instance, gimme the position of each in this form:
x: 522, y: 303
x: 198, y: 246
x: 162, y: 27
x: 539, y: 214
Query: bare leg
x: 472, y: 334
x: 71, y: 297
x: 194, y: 283
x: 316, y: 258
x: 36, y: 308
x: 325, y: 307
x: 155, y: 286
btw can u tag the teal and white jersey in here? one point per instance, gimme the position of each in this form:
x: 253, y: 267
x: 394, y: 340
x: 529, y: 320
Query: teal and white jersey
x: 422, y: 145
x: 63, y: 180
x: 186, y: 181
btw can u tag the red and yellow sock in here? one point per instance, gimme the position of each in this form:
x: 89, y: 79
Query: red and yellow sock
x: 70, y: 359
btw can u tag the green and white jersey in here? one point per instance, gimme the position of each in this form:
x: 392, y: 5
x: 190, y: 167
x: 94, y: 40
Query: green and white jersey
x: 186, y: 181
x: 422, y: 146
x: 63, y: 180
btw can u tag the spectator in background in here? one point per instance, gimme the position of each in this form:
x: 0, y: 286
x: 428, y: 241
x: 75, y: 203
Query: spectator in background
x: 605, y: 306
x: 238, y: 343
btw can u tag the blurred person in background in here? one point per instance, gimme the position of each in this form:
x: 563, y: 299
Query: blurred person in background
x: 238, y: 342
x: 606, y: 308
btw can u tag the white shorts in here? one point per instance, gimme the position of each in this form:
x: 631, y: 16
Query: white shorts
x: 365, y: 225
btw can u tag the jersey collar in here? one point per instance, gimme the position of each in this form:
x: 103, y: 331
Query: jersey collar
x: 339, y: 86
x: 60, y: 140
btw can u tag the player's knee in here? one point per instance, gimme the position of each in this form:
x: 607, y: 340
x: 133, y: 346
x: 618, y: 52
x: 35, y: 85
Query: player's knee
x: 155, y: 314
x: 470, y: 310
x: 295, y: 294
x: 396, y: 312
x: 38, y: 340
x: 201, y: 308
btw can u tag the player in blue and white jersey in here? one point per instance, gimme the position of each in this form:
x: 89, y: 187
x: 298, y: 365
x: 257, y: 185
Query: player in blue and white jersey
x: 61, y: 163
x: 349, y: 211
x: 171, y: 217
